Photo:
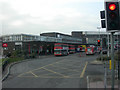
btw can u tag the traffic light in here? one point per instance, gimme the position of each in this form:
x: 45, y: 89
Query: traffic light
x: 103, y: 24
x: 98, y: 41
x: 112, y: 16
x: 102, y: 15
x: 4, y: 45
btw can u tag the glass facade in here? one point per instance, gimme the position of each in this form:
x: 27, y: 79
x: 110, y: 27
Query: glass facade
x: 25, y: 37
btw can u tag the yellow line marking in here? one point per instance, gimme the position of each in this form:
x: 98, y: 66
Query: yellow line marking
x: 65, y: 68
x: 74, y: 74
x: 44, y: 75
x: 33, y: 74
x: 43, y: 67
x: 22, y: 74
x: 55, y: 72
x: 48, y: 77
x: 82, y: 74
x: 40, y: 68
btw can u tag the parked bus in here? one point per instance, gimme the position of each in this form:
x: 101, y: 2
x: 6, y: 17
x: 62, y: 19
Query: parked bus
x: 83, y: 47
x: 90, y: 50
x: 61, y: 49
x: 71, y: 49
x: 79, y: 48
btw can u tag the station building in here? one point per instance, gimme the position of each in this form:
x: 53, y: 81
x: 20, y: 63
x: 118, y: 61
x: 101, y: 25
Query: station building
x: 91, y: 37
x: 43, y: 44
x: 65, y: 37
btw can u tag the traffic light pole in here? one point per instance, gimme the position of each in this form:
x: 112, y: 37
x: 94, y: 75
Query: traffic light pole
x: 112, y: 60
x: 101, y: 49
x: 118, y: 59
x: 112, y: 23
x: 118, y: 52
x: 108, y: 46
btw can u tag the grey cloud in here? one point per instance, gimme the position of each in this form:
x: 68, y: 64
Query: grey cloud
x: 60, y: 23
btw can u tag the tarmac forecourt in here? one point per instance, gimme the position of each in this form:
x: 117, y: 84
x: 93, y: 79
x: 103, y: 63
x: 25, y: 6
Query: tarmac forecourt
x: 60, y: 69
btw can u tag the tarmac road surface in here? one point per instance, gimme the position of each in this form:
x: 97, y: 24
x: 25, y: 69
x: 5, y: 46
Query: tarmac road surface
x: 53, y: 72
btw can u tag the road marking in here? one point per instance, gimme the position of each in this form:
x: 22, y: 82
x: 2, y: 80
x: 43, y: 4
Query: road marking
x: 33, y: 74
x: 22, y: 74
x: 65, y: 68
x: 49, y: 77
x: 82, y: 74
x: 55, y: 72
x: 53, y: 64
x: 40, y: 68
x: 74, y: 74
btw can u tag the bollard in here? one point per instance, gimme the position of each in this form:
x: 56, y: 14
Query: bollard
x: 110, y: 65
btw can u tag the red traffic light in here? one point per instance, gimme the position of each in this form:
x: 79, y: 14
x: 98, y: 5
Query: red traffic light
x: 112, y: 6
x: 113, y: 15
x: 98, y: 40
x: 4, y: 44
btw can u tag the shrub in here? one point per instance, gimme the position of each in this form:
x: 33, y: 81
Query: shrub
x: 33, y: 55
x: 10, y: 60
x: 16, y: 53
x: 106, y: 58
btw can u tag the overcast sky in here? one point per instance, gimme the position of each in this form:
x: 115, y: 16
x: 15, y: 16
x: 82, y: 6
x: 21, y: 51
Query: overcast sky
x: 38, y: 16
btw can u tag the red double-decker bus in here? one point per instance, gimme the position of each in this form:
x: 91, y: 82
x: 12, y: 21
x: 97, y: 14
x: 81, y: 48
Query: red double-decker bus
x: 71, y: 49
x: 90, y: 50
x: 61, y: 49
x: 79, y: 48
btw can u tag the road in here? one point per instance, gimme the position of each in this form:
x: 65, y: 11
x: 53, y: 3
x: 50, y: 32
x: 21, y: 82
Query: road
x: 52, y: 72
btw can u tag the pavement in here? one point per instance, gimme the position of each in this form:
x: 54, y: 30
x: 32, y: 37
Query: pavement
x: 96, y: 79
x: 95, y: 62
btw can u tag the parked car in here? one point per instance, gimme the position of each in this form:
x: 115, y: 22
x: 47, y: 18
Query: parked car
x: 104, y: 51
